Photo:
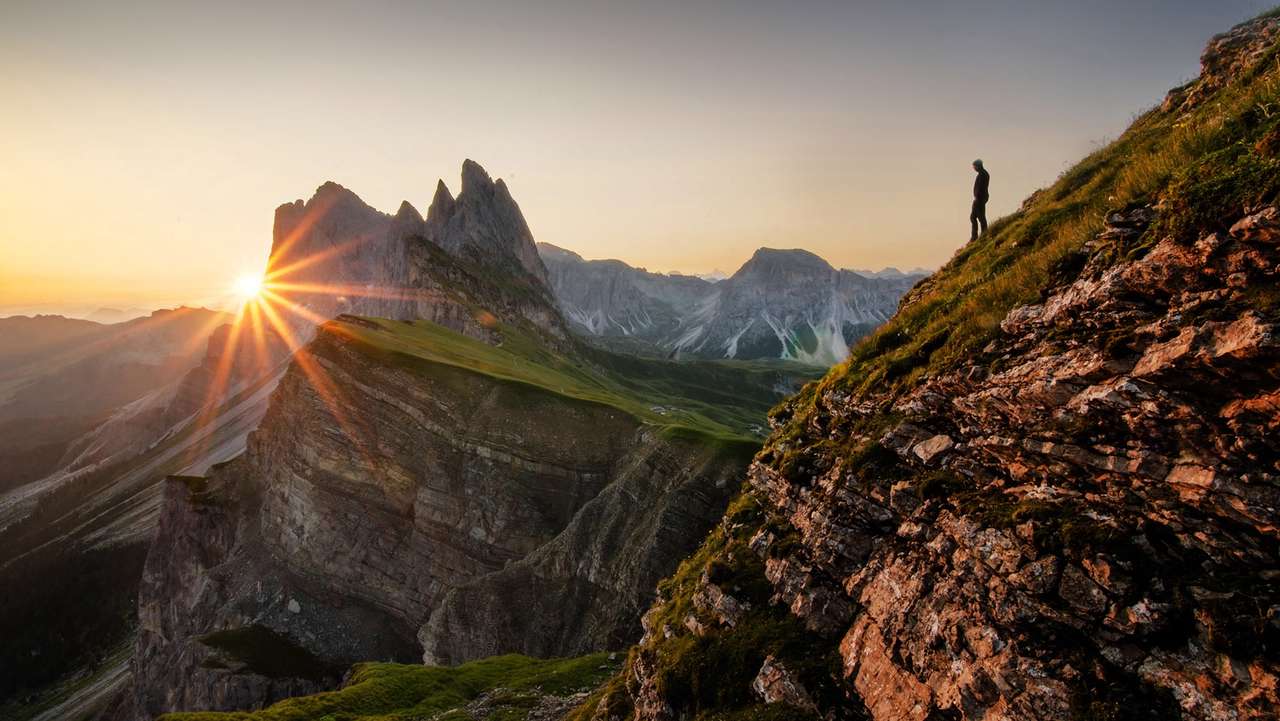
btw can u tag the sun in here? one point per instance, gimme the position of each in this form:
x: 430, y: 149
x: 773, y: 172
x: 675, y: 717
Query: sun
x: 248, y: 286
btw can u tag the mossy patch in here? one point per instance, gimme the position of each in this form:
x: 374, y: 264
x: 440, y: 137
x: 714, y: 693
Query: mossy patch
x: 400, y: 692
x: 610, y: 701
x: 1217, y: 189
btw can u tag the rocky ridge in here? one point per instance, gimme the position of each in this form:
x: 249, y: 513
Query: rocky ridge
x: 401, y: 508
x: 335, y: 254
x: 1068, y: 513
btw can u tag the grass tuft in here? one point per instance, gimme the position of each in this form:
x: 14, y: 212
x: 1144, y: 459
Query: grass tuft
x: 401, y: 692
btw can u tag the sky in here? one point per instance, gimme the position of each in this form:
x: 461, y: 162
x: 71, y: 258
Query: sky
x: 144, y: 146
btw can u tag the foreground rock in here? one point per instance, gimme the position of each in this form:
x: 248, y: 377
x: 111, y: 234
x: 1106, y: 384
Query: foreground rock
x: 1067, y: 509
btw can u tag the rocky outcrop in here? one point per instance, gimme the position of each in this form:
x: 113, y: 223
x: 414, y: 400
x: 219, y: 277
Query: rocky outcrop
x: 384, y: 510
x: 1112, y: 486
x: 1226, y: 57
x: 786, y: 304
x: 335, y: 254
x: 776, y: 684
x: 1070, y: 512
x: 1091, y: 504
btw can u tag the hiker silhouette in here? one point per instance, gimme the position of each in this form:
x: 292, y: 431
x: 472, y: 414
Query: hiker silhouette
x: 978, y: 216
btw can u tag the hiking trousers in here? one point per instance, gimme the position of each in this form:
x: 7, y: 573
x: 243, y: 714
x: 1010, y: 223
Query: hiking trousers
x: 978, y: 217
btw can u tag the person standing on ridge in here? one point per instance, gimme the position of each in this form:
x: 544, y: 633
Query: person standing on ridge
x: 979, y: 213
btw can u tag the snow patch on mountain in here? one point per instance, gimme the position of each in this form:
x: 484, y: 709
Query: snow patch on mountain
x: 785, y: 304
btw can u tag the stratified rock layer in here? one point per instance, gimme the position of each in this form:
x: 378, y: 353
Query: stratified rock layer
x: 382, y: 508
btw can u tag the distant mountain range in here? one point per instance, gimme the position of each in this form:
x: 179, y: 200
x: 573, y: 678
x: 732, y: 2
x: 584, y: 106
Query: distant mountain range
x: 116, y: 315
x: 784, y: 304
x: 60, y: 377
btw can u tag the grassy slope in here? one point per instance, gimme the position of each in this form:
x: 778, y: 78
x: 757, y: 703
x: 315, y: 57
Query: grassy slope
x: 717, y: 400
x: 393, y: 692
x: 1202, y: 168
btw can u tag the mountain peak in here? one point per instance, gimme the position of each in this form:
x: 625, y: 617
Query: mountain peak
x: 331, y: 191
x: 485, y: 223
x: 441, y: 208
x: 408, y: 212
x: 329, y: 186
x: 407, y: 222
x: 330, y: 202
x: 768, y: 260
x: 474, y: 177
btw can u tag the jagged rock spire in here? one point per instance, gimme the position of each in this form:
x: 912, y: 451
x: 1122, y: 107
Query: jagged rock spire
x: 441, y: 209
x: 407, y: 223
x: 474, y: 177
x: 484, y: 223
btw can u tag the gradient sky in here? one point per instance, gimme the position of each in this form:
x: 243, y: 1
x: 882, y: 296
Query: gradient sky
x: 144, y: 146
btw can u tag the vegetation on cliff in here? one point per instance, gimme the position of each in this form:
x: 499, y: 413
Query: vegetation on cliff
x: 1021, y: 498
x: 502, y: 688
x: 721, y: 400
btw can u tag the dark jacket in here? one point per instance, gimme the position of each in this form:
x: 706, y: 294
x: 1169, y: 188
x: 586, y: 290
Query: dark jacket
x: 980, y: 184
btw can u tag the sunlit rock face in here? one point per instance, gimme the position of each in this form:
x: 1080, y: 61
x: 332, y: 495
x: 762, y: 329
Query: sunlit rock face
x: 1119, y: 459
x: 787, y: 304
x: 1074, y: 515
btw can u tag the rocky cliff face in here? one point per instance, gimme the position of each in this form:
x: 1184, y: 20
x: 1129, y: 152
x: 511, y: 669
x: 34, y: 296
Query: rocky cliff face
x: 391, y: 508
x: 1047, y: 506
x: 330, y: 254
x: 786, y: 304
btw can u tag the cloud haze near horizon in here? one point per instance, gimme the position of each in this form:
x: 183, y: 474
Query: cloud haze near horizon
x: 147, y: 144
